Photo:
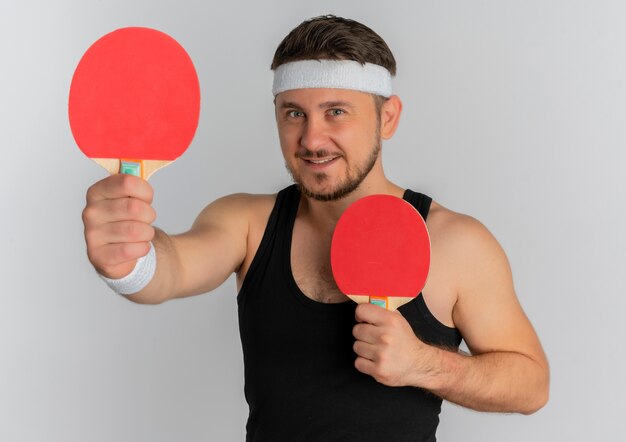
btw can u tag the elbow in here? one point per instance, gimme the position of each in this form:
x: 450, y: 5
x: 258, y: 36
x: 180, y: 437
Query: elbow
x: 541, y: 395
x: 537, y: 404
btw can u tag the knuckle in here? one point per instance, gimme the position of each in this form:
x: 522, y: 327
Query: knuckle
x: 358, y: 363
x: 357, y: 313
x: 90, y: 237
x: 396, y: 320
x: 149, y: 192
x: 92, y: 255
x: 151, y: 215
x: 151, y: 233
x: 359, y: 309
x: 106, y: 266
x: 91, y: 215
x: 133, y: 207
x: 386, y: 339
x: 123, y: 253
x: 131, y: 230
x: 92, y: 192
x: 89, y: 194
x: 98, y: 258
x: 141, y: 232
x: 87, y: 214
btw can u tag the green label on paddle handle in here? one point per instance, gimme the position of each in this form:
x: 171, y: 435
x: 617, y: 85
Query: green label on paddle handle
x: 379, y: 301
x: 130, y: 168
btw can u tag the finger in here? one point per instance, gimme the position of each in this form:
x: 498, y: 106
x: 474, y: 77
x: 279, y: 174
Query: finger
x: 119, y: 209
x: 108, y: 258
x: 371, y: 314
x: 366, y: 332
x: 365, y: 366
x: 364, y: 350
x: 119, y: 186
x: 119, y: 232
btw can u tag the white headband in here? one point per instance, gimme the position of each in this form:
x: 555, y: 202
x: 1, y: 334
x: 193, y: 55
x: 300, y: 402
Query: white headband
x: 333, y: 74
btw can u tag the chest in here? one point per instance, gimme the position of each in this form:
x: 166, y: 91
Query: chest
x: 311, y: 269
x: 310, y: 265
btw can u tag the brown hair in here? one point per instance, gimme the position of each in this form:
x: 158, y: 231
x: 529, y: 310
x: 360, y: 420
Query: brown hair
x: 334, y: 38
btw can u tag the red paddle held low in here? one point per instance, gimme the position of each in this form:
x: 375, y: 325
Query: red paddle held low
x: 134, y: 101
x: 380, y: 251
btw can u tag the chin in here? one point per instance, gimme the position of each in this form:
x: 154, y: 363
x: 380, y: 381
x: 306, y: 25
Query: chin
x: 322, y: 187
x: 328, y: 193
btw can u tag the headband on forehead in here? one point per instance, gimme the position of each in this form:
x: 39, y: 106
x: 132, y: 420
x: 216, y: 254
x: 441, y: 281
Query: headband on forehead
x: 332, y: 74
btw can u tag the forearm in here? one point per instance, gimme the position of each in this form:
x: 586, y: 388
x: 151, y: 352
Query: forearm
x: 496, y: 381
x: 189, y: 264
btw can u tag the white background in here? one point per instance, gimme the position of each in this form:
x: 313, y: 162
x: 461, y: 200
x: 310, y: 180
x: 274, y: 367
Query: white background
x: 514, y: 113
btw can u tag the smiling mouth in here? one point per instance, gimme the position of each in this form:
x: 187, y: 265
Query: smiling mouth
x: 325, y: 160
x: 318, y: 160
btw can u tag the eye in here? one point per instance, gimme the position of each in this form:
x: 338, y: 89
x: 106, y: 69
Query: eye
x: 295, y: 114
x: 336, y: 112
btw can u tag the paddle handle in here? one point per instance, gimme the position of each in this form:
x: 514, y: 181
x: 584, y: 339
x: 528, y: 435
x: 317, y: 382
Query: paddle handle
x: 387, y: 302
x: 145, y: 171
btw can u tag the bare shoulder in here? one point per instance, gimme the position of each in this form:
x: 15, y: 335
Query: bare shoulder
x: 474, y: 260
x: 240, y: 220
x: 236, y: 210
x: 454, y: 225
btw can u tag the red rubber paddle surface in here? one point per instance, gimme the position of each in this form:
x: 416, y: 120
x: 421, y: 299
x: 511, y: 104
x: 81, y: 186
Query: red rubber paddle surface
x: 380, y: 247
x: 135, y: 94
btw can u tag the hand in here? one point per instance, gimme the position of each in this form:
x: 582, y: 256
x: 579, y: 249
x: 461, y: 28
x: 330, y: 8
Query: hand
x: 117, y: 219
x: 387, y: 348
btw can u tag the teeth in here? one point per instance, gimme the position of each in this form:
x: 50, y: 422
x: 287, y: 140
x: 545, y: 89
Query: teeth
x: 321, y: 161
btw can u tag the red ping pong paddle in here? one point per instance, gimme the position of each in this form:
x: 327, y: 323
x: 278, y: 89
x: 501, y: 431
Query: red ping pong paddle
x: 134, y: 101
x: 380, y: 251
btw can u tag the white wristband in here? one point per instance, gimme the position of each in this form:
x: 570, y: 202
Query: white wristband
x: 136, y: 280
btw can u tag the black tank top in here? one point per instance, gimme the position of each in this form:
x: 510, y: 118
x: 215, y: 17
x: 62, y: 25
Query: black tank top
x: 300, y: 380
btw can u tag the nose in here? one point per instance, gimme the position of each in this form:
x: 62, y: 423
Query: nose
x: 314, y: 135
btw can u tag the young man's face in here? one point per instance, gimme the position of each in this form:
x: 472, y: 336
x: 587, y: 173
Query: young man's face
x: 330, y: 139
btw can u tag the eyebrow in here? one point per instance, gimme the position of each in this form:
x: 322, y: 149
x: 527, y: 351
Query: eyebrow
x: 324, y: 105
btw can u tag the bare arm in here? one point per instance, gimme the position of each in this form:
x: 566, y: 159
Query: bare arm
x: 118, y: 229
x: 507, y: 370
x: 202, y: 258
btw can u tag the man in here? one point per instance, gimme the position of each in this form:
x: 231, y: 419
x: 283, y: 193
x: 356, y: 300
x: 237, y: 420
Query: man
x: 318, y: 367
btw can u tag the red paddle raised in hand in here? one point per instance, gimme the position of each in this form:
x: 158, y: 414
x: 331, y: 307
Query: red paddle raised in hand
x: 380, y: 251
x: 134, y: 101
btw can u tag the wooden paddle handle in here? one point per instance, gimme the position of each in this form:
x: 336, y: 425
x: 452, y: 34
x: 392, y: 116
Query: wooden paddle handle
x: 387, y: 302
x: 145, y: 170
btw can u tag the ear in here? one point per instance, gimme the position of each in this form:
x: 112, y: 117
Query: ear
x: 390, y: 116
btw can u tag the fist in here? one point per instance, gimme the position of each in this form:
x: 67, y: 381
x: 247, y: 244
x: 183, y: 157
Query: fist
x: 117, y: 219
x: 387, y: 348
